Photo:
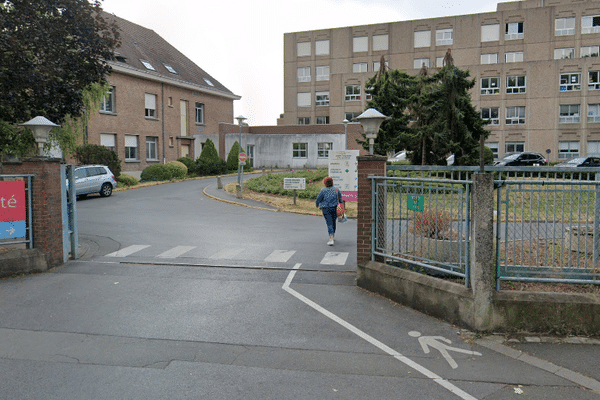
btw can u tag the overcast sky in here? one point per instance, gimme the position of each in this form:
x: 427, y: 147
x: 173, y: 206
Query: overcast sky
x: 240, y: 42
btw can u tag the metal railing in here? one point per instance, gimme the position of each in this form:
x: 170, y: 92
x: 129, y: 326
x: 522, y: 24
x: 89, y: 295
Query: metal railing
x: 5, y: 238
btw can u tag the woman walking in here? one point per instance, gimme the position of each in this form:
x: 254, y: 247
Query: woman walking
x: 327, y: 201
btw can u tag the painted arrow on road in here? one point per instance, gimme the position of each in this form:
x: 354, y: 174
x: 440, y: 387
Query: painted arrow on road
x: 434, y: 342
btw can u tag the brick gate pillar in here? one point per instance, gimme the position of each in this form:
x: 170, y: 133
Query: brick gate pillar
x: 367, y: 166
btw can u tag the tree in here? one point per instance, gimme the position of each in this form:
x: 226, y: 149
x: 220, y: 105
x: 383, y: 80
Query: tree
x: 232, y: 158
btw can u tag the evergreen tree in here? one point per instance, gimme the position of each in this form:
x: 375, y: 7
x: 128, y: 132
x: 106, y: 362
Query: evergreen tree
x: 209, y: 154
x: 232, y: 158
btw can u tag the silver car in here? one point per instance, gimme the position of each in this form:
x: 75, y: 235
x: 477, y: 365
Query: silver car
x: 94, y: 179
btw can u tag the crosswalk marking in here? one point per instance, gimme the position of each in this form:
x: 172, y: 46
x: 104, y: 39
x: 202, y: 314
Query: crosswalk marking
x: 176, y: 251
x: 226, y: 254
x: 332, y: 258
x: 280, y: 256
x: 128, y: 250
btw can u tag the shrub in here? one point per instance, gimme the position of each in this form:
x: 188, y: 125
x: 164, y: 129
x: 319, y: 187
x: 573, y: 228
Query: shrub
x: 232, y: 158
x: 126, y: 180
x: 96, y: 154
x: 156, y: 172
x: 177, y: 169
x: 430, y: 223
x: 187, y: 161
x: 209, y: 162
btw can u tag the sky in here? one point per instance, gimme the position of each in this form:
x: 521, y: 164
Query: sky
x: 240, y: 42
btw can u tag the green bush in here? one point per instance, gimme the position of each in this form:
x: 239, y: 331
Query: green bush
x: 232, y: 158
x: 187, y: 161
x: 126, y: 180
x: 95, y: 154
x: 209, y: 162
x: 156, y: 172
x: 177, y: 169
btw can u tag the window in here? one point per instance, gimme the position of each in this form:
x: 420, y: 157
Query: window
x: 359, y: 67
x: 515, y: 84
x: 494, y: 147
x: 300, y: 150
x: 590, y: 24
x: 208, y: 82
x: 170, y: 68
x: 109, y: 141
x: 589, y: 51
x: 147, y: 65
x: 323, y: 149
x: 352, y: 115
x: 422, y: 39
x: 564, y: 26
x: 322, y: 99
x: 151, y: 144
x: 107, y: 104
x: 515, y: 56
x: 380, y: 42
x: 514, y: 147
x: 491, y: 114
x: 515, y: 115
x: 360, y: 44
x: 594, y: 80
x: 377, y: 65
x: 131, y: 148
x: 352, y: 92
x: 303, y: 74
x: 561, y: 54
x: 490, y: 33
x: 490, y: 85
x: 303, y: 121
x: 322, y: 47
x: 514, y: 30
x: 323, y: 120
x: 419, y: 62
x: 443, y: 37
x: 569, y: 114
x: 568, y: 150
x: 199, y: 113
x: 491, y: 58
x: 322, y: 72
x: 570, y: 82
x: 304, y: 99
x: 593, y: 148
x: 150, y: 110
x: 593, y: 113
x: 303, y: 49
x: 439, y: 62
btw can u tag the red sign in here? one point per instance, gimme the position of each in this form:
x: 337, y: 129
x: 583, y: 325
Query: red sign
x: 243, y: 157
x: 12, y: 201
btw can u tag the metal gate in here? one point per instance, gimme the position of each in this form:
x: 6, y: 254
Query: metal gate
x: 69, y: 213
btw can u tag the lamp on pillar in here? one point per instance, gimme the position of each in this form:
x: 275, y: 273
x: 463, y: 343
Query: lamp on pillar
x: 41, y: 128
x: 371, y: 120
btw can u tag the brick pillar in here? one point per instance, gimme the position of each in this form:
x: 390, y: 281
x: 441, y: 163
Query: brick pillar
x: 46, y: 198
x: 367, y: 166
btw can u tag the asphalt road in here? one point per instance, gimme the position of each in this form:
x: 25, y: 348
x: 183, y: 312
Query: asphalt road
x: 179, y: 296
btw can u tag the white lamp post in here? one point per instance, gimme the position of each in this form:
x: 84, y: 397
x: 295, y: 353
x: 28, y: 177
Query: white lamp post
x: 371, y: 120
x: 240, y: 120
x: 41, y: 128
x: 345, y: 122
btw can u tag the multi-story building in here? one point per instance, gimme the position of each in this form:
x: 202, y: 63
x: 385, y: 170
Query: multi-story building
x: 535, y: 64
x: 160, y: 104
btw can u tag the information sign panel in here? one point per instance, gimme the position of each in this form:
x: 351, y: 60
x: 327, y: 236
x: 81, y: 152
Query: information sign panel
x: 294, y: 183
x: 343, y: 168
x: 416, y: 202
x: 12, y: 209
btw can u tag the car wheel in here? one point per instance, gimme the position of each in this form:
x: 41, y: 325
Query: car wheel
x: 106, y: 190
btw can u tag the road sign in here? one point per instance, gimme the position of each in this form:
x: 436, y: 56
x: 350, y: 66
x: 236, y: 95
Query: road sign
x: 343, y: 168
x: 243, y: 157
x: 416, y: 202
x: 294, y: 183
x: 12, y: 209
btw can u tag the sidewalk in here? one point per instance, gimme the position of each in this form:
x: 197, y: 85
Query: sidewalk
x: 212, y: 192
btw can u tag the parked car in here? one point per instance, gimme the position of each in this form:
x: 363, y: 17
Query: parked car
x: 94, y: 179
x: 586, y: 162
x: 399, y: 156
x: 526, y: 158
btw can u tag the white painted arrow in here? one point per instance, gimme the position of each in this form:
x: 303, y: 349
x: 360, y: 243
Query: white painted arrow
x: 433, y: 341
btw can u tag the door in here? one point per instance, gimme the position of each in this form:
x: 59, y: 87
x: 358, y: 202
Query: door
x: 183, y: 114
x: 251, y: 154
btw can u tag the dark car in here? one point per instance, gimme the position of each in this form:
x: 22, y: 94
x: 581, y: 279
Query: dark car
x: 526, y: 158
x: 585, y: 162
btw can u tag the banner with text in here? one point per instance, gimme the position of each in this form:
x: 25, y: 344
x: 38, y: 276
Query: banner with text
x: 343, y: 168
x: 12, y: 210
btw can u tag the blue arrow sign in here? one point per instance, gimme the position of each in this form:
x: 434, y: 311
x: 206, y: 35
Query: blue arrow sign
x: 13, y: 229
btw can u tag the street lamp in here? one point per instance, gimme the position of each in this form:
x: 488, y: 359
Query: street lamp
x: 240, y: 120
x: 345, y: 122
x: 41, y: 128
x: 371, y: 120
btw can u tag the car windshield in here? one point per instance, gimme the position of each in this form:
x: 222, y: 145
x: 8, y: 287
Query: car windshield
x: 576, y: 161
x: 511, y: 156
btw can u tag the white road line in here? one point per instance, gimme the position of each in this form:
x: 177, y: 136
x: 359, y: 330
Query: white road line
x: 280, y: 256
x: 227, y: 254
x: 429, y: 374
x: 176, y: 251
x: 333, y: 258
x: 128, y: 250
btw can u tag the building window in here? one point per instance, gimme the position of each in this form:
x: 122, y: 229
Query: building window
x: 490, y: 33
x: 352, y: 92
x: 491, y: 114
x: 107, y: 104
x: 199, y: 113
x: 439, y: 62
x: 377, y: 65
x: 380, y: 42
x: 594, y: 80
x: 490, y: 85
x: 569, y: 114
x: 422, y: 39
x: 322, y: 72
x: 593, y: 148
x: 359, y: 67
x: 300, y: 150
x: 150, y: 110
x: 564, y: 53
x: 109, y: 141
x: 170, y: 68
x: 494, y: 147
x: 443, y: 37
x: 131, y: 148
x: 564, y: 26
x: 589, y: 51
x: 147, y: 65
x: 208, y: 82
x: 303, y: 120
x: 304, y: 99
x: 151, y: 146
x: 419, y: 62
x: 351, y: 115
x: 303, y: 74
x: 512, y: 57
x: 515, y: 115
x: 490, y: 58
x: 323, y: 149
x: 514, y: 30
x: 568, y: 150
x: 514, y: 147
x: 322, y: 47
x: 570, y: 82
x: 324, y: 120
x: 360, y: 44
x: 304, y: 49
x: 593, y: 113
x: 515, y: 84
x: 590, y: 24
x: 322, y: 99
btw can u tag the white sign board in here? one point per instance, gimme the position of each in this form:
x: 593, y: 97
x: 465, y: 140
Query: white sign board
x: 294, y: 183
x: 343, y: 168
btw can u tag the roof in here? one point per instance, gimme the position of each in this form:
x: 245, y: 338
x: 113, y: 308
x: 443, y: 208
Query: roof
x: 169, y: 64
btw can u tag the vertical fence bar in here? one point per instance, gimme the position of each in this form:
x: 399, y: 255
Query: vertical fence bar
x: 596, y: 237
x: 30, y: 211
